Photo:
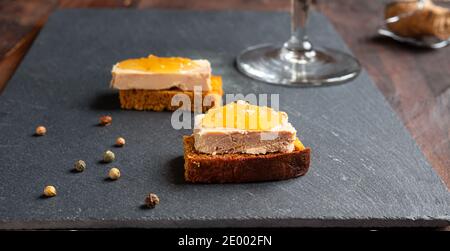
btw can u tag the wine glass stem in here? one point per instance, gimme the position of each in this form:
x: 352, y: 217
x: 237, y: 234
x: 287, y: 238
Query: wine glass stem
x: 299, y: 39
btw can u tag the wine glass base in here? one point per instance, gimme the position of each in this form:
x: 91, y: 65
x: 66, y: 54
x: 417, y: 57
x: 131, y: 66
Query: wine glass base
x: 277, y: 65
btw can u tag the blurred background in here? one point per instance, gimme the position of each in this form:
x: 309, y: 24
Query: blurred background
x: 415, y: 81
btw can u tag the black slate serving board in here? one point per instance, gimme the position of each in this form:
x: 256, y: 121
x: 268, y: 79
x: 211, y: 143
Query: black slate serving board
x: 366, y: 170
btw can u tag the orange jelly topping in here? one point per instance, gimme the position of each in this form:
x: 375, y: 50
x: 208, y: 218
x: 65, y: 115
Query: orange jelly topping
x: 244, y: 116
x: 158, y: 64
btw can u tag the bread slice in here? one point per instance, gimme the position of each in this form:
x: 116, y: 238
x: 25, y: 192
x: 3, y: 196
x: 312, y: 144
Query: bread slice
x: 159, y: 100
x: 237, y: 168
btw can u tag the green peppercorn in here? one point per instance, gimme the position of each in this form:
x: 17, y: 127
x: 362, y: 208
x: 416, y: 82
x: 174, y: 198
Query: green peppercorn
x: 108, y: 156
x: 114, y: 173
x: 80, y: 165
x: 49, y: 191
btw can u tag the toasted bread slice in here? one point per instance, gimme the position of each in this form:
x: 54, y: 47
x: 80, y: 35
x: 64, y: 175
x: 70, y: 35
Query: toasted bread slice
x: 237, y: 168
x: 159, y: 100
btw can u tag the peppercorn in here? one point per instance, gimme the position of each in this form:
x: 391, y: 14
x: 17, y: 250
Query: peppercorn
x: 151, y: 200
x: 80, y: 165
x: 108, y: 156
x: 105, y: 120
x: 114, y: 173
x: 41, y: 130
x: 120, y: 141
x: 49, y: 191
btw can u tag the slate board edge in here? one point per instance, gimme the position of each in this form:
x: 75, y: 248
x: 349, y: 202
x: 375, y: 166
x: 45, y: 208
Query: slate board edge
x: 221, y: 223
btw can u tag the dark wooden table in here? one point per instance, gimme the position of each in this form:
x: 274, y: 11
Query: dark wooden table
x: 416, y: 82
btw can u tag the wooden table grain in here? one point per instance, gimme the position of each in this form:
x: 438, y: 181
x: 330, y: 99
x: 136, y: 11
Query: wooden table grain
x: 416, y: 82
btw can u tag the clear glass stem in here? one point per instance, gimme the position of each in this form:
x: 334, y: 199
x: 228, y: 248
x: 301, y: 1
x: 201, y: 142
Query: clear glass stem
x: 297, y: 62
x: 298, y: 47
